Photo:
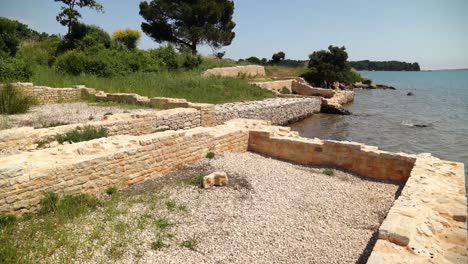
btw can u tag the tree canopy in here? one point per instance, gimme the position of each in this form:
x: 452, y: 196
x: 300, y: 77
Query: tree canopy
x: 189, y: 23
x: 328, y: 66
x: 277, y: 57
x: 69, y: 15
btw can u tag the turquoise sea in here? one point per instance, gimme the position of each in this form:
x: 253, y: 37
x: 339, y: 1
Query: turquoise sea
x: 387, y: 118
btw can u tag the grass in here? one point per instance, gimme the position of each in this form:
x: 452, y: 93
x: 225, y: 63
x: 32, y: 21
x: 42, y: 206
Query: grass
x: 194, y: 180
x: 329, y: 172
x: 280, y: 72
x: 117, y: 104
x: 14, y: 101
x: 210, y: 155
x: 189, y: 85
x: 77, y: 229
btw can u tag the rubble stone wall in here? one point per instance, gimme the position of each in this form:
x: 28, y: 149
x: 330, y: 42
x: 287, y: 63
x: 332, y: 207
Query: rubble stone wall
x: 236, y: 72
x: 119, y: 161
x: 278, y: 111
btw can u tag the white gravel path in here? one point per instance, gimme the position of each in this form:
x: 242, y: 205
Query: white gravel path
x: 67, y: 113
x: 292, y: 214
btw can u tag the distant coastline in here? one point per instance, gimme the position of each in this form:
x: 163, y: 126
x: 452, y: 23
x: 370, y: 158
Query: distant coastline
x: 366, y: 65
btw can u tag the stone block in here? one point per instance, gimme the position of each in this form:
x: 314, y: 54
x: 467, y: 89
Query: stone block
x: 215, y: 179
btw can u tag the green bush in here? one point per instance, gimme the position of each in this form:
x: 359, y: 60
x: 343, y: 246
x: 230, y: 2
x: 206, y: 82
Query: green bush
x: 82, y: 134
x: 13, y: 69
x: 366, y: 81
x: 9, y: 40
x: 285, y: 90
x: 39, y: 52
x: 168, y: 56
x: 210, y: 155
x: 13, y: 101
x: 73, y: 62
x: 191, y: 61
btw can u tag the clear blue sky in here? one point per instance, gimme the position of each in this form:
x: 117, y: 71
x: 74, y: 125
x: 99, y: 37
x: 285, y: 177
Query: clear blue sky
x: 431, y: 32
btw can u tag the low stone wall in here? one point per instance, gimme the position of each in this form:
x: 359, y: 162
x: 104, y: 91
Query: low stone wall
x: 277, y: 111
x: 119, y: 161
x: 47, y: 95
x: 303, y: 88
x: 235, y: 72
x: 146, y: 122
x: 360, y: 159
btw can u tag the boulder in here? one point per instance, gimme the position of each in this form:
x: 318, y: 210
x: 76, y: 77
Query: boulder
x: 217, y: 178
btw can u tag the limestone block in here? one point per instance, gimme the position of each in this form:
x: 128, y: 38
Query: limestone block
x: 215, y: 179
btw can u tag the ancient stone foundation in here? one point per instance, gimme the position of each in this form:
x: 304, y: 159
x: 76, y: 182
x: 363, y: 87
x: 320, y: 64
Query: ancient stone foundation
x: 427, y: 223
x: 236, y: 72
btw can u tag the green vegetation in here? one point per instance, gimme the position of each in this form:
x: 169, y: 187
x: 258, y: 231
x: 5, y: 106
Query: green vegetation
x: 111, y: 191
x: 128, y: 37
x: 14, y: 101
x: 189, y: 23
x: 13, y: 69
x: 190, y: 244
x: 69, y: 15
x: 285, y: 90
x: 82, y: 134
x: 210, y: 155
x: 327, y: 67
x: 189, y: 85
x: 278, y: 57
x: 329, y: 172
x: 78, y: 228
x: 194, y: 180
x: 367, y: 65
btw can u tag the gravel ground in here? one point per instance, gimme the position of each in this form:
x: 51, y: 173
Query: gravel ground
x: 285, y: 214
x: 67, y: 113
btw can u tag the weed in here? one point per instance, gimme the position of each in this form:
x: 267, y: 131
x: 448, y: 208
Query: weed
x: 194, y: 180
x: 190, y: 244
x: 329, y: 172
x: 285, y: 90
x: 163, y: 223
x: 6, y: 220
x: 14, y: 101
x: 68, y: 207
x: 82, y: 134
x: 210, y: 155
x: 158, y: 244
x: 111, y: 191
x: 171, y: 205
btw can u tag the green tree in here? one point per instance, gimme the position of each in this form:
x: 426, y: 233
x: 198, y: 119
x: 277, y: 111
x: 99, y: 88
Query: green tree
x: 328, y: 66
x: 9, y: 40
x: 189, y: 23
x: 69, y: 15
x: 278, y: 57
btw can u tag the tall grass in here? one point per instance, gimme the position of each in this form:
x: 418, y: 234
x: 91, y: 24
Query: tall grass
x: 14, y: 101
x: 188, y: 84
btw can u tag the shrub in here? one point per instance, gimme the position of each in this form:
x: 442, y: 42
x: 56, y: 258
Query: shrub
x: 73, y: 62
x: 129, y: 37
x: 366, y: 81
x: 82, y: 134
x: 168, y: 56
x: 191, y: 61
x: 328, y: 172
x: 84, y: 36
x: 8, y: 38
x: 39, y: 52
x: 49, y: 202
x: 14, y: 69
x: 210, y: 155
x: 254, y: 60
x: 14, y: 101
x: 158, y: 245
x: 111, y: 191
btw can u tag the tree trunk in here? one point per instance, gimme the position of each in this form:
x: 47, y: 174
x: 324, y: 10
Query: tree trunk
x: 193, y: 47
